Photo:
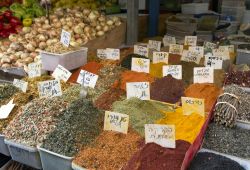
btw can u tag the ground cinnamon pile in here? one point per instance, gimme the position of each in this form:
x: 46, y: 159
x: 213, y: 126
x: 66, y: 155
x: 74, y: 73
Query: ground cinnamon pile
x: 206, y: 91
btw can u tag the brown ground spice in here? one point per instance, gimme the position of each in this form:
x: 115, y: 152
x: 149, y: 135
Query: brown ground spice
x: 188, y: 72
x: 167, y: 89
x: 106, y: 100
x: 155, y: 157
x: 206, y: 91
x: 174, y: 58
x: 110, y: 151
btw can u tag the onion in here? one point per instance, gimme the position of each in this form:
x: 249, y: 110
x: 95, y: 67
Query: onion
x: 100, y: 33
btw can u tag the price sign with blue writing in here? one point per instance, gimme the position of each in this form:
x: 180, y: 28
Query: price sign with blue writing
x: 34, y: 70
x: 65, y: 38
x: 49, y: 88
x: 140, y: 90
x: 116, y: 122
x: 193, y: 105
x: 87, y: 79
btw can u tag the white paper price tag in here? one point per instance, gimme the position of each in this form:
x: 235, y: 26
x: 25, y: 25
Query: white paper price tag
x: 190, y: 56
x: 209, y: 45
x: 140, y: 65
x: 61, y: 73
x: 190, y: 40
x: 203, y: 75
x: 229, y: 48
x: 140, y: 90
x: 5, y: 110
x: 193, y: 105
x: 167, y: 40
x: 141, y: 50
x: 163, y: 135
x: 22, y: 85
x: 116, y: 122
x: 223, y: 53
x: 102, y: 54
x: 214, y: 62
x: 49, y: 88
x: 113, y: 54
x: 156, y: 45
x: 174, y: 70
x: 34, y: 70
x: 159, y: 57
x: 175, y: 49
x: 87, y: 79
x: 65, y: 38
x: 197, y: 49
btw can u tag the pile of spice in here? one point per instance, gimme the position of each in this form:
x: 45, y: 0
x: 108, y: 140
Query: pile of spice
x: 127, y: 61
x: 132, y: 76
x: 212, y: 161
x: 78, y: 126
x: 110, y: 150
x: 174, y: 58
x: 188, y: 72
x: 241, y: 67
x: 92, y: 67
x: 72, y: 93
x: 154, y: 157
x: 35, y: 121
x: 219, y: 78
x: 107, y: 77
x: 6, y: 91
x: 140, y: 112
x: 167, y: 89
x: 105, y: 101
x: 209, y: 92
x: 187, y: 127
x: 156, y: 69
x: 241, y: 78
x: 232, y: 141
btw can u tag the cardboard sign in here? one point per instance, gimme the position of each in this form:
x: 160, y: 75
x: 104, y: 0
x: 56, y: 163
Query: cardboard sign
x: 65, y: 38
x: 34, y: 70
x: 140, y: 90
x: 229, y: 48
x: 113, y: 54
x: 49, y: 88
x: 163, y: 135
x: 193, y: 105
x: 116, y: 122
x: 101, y: 53
x: 222, y: 53
x: 140, y: 65
x: 156, y: 45
x: 167, y: 40
x: 197, y: 49
x: 61, y: 73
x: 203, y: 75
x: 214, y: 62
x: 5, y: 110
x: 175, y: 49
x: 141, y: 50
x: 190, y: 40
x: 159, y: 57
x: 87, y: 79
x: 22, y: 85
x: 174, y: 70
x: 190, y: 56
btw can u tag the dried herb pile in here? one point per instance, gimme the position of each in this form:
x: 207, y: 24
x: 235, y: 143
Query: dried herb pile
x: 72, y: 93
x: 36, y: 120
x: 155, y: 157
x: 78, y: 126
x: 6, y: 91
x: 167, y: 89
x: 110, y: 150
x: 211, y: 161
x: 140, y: 112
x: 232, y: 141
x: 241, y: 78
x: 126, y: 62
x: 188, y: 72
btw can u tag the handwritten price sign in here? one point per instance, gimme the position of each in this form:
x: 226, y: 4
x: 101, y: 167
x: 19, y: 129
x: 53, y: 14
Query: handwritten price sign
x: 167, y: 40
x: 34, y: 70
x: 203, y: 75
x: 174, y: 70
x: 193, y: 105
x: 140, y: 90
x: 175, y: 49
x: 190, y: 40
x: 140, y: 65
x: 65, y: 38
x: 191, y: 56
x: 22, y: 85
x: 141, y: 50
x: 160, y: 57
x: 87, y: 79
x: 49, y: 88
x: 116, y: 122
x: 61, y: 73
x: 155, y: 45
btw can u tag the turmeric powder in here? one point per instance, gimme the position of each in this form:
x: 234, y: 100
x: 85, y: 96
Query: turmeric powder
x: 186, y: 127
x: 156, y: 69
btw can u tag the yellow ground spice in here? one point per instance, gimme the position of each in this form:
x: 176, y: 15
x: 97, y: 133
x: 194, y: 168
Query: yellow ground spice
x: 156, y: 69
x: 186, y: 127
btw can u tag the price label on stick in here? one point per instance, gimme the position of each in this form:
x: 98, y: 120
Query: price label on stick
x: 156, y: 45
x: 5, y: 110
x: 223, y: 53
x: 65, y: 38
x: 214, y: 62
x: 167, y: 40
x: 113, y: 54
x: 203, y: 75
x: 197, y: 49
x: 141, y: 50
x: 193, y: 105
x: 61, y: 73
x: 116, y: 122
x: 87, y: 79
x: 174, y: 70
x: 140, y: 65
x: 34, y: 70
x: 175, y: 49
x: 229, y: 48
x: 140, y: 90
x: 191, y: 56
x: 190, y: 40
x: 22, y: 85
x: 163, y: 135
x: 102, y: 53
x: 160, y: 57
x: 49, y: 88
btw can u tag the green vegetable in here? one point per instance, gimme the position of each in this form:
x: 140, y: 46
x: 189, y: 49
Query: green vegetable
x: 16, y: 6
x: 30, y: 12
x: 39, y: 12
x: 3, y: 9
x: 18, y: 15
x: 28, y: 3
x: 27, y: 16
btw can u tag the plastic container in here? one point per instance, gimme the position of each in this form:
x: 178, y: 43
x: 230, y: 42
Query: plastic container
x: 3, y: 147
x: 77, y: 167
x: 243, y: 55
x: 239, y: 39
x: 246, y: 17
x: 185, y: 24
x: 204, y: 35
x: 235, y: 12
x: 235, y: 3
x: 54, y: 161
x: 70, y: 60
x: 24, y: 154
x: 194, y: 8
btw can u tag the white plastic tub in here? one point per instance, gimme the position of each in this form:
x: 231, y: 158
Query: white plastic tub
x: 70, y: 60
x: 3, y: 147
x: 54, y: 161
x: 24, y: 154
x: 194, y: 8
